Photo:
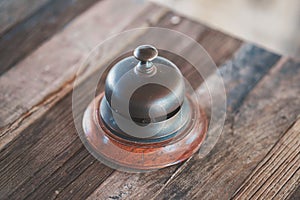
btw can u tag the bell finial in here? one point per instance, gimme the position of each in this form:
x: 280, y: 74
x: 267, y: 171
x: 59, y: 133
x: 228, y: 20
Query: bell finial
x: 145, y: 53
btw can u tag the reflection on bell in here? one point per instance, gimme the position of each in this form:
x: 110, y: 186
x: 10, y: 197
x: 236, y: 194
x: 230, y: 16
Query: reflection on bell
x: 147, y: 117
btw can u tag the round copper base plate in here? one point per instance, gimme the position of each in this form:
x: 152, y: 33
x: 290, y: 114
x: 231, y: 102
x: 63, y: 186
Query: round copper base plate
x: 136, y: 157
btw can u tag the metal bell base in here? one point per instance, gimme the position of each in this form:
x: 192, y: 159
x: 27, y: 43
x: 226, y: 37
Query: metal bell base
x: 133, y: 156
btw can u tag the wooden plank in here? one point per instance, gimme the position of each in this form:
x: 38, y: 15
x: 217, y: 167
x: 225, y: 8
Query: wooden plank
x: 14, y: 11
x: 22, y: 39
x: 232, y: 76
x: 44, y: 77
x: 266, y: 113
x: 42, y: 166
x: 275, y: 176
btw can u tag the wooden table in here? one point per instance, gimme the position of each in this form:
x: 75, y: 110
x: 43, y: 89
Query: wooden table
x: 42, y: 157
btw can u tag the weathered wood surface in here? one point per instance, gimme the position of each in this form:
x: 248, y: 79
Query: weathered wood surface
x: 43, y: 158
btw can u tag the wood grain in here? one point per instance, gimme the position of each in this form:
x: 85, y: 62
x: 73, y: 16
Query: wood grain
x: 275, y: 176
x: 44, y: 77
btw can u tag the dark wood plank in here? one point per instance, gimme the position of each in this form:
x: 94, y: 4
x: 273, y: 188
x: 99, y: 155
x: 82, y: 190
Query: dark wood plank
x: 48, y: 155
x: 267, y: 112
x: 246, y: 69
x: 275, y: 176
x: 15, y: 11
x: 45, y: 75
x: 26, y: 36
